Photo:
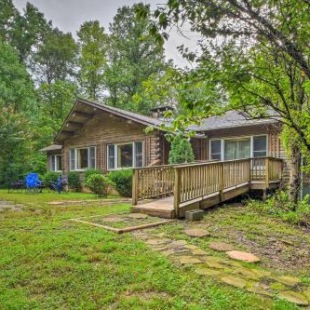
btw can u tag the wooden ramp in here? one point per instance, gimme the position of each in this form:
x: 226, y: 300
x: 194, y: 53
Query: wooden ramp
x: 186, y: 187
x: 161, y: 207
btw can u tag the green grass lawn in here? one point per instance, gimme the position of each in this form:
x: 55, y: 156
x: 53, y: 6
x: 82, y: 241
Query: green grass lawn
x: 49, y: 262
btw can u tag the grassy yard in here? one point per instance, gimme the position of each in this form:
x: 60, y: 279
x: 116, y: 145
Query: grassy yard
x: 49, y: 262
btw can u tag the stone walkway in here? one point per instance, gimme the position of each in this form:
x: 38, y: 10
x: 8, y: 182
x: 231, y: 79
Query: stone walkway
x: 225, y: 269
x: 10, y: 206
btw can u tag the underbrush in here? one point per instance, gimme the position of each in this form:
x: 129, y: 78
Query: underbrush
x: 279, y: 206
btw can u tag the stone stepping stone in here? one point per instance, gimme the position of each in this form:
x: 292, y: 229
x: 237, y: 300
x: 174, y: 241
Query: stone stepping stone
x: 197, y: 233
x: 214, y: 265
x: 188, y: 260
x: 179, y: 243
x: 243, y: 256
x: 246, y: 273
x: 157, y: 241
x: 168, y: 253
x: 286, y: 280
x: 207, y: 272
x: 191, y: 247
x: 221, y: 246
x: 137, y: 216
x: 234, y: 281
x: 262, y: 273
x: 294, y: 298
x: 198, y: 252
x: 260, y: 289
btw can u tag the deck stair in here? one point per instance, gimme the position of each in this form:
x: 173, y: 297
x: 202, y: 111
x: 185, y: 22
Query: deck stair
x: 174, y: 189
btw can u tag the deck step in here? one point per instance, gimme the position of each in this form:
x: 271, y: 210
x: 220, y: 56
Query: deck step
x: 166, y: 214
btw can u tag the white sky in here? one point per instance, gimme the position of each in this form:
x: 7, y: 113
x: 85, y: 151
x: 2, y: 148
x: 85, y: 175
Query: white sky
x: 68, y: 15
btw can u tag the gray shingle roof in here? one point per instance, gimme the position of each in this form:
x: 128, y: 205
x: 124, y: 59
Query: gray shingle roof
x: 127, y: 114
x: 230, y: 119
x: 53, y: 147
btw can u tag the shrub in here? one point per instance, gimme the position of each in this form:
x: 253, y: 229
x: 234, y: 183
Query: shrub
x: 99, y: 184
x: 280, y: 206
x: 181, y: 151
x: 74, y: 181
x: 50, y: 176
x: 89, y: 172
x: 122, y: 180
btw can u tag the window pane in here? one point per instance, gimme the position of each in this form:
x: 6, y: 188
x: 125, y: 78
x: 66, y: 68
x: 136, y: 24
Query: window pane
x: 82, y: 158
x: 124, y: 156
x: 260, y: 146
x: 138, y: 149
x: 216, y: 149
x: 92, y: 157
x: 237, y: 149
x: 231, y: 150
x: 72, y: 159
x: 53, y: 158
x: 58, y: 163
x: 111, y: 156
x: 244, y: 149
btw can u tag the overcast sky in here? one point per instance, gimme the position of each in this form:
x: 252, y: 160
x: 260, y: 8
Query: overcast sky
x: 68, y: 15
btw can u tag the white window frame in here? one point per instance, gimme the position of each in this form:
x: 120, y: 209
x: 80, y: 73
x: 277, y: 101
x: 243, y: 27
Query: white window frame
x: 88, y: 157
x: 237, y: 138
x: 55, y: 159
x: 116, y: 155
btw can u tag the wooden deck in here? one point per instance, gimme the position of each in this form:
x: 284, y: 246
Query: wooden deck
x: 185, y: 187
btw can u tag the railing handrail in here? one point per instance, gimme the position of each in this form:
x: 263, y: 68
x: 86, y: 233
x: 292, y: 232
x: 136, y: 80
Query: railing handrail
x: 158, y: 181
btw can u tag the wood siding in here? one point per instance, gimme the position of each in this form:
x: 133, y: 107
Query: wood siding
x: 104, y: 129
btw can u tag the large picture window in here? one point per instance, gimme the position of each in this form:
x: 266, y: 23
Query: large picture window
x: 56, y: 163
x: 238, y: 148
x: 126, y: 155
x: 83, y: 158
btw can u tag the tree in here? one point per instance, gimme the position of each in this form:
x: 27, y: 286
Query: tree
x: 93, y: 44
x: 261, y: 51
x: 28, y: 31
x: 17, y: 90
x: 8, y: 14
x: 56, y: 100
x: 181, y: 151
x: 56, y: 57
x: 134, y: 55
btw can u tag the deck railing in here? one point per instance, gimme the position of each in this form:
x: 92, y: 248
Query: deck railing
x: 190, y: 181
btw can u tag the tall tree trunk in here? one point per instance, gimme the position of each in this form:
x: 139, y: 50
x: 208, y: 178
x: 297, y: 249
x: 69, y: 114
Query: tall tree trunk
x: 295, y: 175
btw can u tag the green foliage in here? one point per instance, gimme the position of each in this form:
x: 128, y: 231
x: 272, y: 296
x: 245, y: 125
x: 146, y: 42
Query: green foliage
x: 51, y: 176
x: 90, y: 172
x: 74, y: 181
x: 99, y: 184
x: 280, y: 206
x: 55, y: 58
x: 93, y: 44
x: 134, y: 55
x: 181, y: 151
x: 16, y: 88
x: 122, y: 180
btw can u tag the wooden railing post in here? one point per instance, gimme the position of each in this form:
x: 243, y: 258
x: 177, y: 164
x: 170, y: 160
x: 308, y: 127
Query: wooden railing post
x: 177, y: 191
x: 135, y: 187
x: 267, y: 172
x: 221, y: 180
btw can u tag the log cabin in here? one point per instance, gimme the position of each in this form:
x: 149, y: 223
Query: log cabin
x: 97, y: 136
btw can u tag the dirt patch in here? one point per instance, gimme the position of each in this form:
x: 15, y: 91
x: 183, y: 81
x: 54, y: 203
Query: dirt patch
x: 281, y: 245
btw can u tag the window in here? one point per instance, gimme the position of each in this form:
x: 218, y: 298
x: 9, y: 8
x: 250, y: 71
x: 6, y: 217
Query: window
x: 83, y: 158
x: 56, y: 163
x: 237, y: 149
x: 259, y: 146
x: 216, y: 149
x: 127, y: 155
x: 230, y: 149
